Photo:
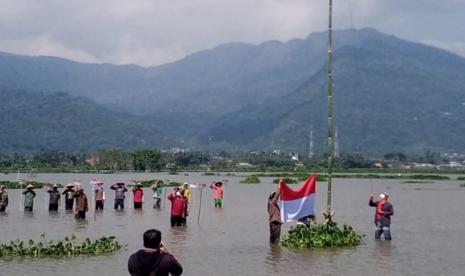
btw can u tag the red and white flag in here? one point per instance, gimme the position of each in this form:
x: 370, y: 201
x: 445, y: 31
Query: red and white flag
x: 298, y: 203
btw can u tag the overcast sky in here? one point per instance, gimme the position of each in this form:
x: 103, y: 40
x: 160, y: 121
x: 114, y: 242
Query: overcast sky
x: 152, y: 32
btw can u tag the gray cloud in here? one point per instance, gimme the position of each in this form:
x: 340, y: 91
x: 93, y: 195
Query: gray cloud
x: 151, y: 32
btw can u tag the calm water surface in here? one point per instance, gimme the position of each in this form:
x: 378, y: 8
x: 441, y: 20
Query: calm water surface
x: 427, y: 229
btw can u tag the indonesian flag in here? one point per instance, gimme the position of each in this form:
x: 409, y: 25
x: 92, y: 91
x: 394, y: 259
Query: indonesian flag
x: 298, y: 203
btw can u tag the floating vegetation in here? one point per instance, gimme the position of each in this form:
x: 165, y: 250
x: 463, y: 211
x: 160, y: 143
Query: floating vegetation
x: 149, y: 183
x: 209, y: 173
x: 462, y: 185
x: 417, y: 182
x: 69, y: 246
x: 251, y: 179
x: 321, y: 236
x: 461, y: 178
x: 288, y: 180
x: 18, y: 185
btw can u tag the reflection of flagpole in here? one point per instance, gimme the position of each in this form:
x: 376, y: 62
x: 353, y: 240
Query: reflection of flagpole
x: 21, y: 191
x: 202, y: 186
x: 164, y: 197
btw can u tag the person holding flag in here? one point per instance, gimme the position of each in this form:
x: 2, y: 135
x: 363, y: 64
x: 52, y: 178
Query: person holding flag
x: 383, y: 213
x: 274, y: 213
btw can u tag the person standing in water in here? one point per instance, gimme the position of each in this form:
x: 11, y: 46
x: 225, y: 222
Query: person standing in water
x: 99, y: 195
x: 69, y: 196
x: 138, y: 193
x: 218, y: 193
x: 3, y: 199
x: 157, y: 193
x: 383, y: 213
x: 82, y: 205
x: 29, y: 196
x: 54, y: 199
x: 274, y: 217
x: 119, y: 189
x: 178, y: 207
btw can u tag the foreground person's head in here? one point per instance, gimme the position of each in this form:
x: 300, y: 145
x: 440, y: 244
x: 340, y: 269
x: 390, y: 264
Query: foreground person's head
x: 152, y: 239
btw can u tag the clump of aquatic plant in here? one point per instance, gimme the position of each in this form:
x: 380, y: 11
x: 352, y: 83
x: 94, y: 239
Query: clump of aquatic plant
x: 288, y: 180
x: 251, y: 179
x: 149, y: 183
x: 321, y: 236
x: 18, y: 185
x: 417, y: 182
x: 462, y: 185
x: 68, y: 246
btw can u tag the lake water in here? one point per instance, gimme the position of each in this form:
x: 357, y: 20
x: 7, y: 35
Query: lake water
x: 427, y: 229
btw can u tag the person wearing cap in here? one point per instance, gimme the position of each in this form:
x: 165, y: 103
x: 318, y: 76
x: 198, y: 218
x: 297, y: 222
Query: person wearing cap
x: 69, y: 197
x: 138, y: 194
x: 82, y: 205
x: 383, y: 213
x: 3, y: 199
x: 54, y: 199
x: 99, y: 195
x: 29, y: 196
x: 218, y: 193
x: 120, y: 191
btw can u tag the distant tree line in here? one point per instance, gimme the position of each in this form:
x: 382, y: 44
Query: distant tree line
x: 156, y: 160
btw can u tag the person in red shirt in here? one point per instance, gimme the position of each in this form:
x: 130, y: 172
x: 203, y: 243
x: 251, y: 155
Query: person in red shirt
x: 178, y: 207
x: 138, y: 196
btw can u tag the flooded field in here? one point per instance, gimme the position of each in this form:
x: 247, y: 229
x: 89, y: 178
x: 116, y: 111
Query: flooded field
x: 427, y: 230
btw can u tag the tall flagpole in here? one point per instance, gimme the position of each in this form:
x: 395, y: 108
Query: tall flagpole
x: 330, y: 109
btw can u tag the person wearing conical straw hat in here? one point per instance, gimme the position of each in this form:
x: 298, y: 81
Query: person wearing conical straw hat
x: 3, y: 199
x: 29, y: 196
x: 69, y: 196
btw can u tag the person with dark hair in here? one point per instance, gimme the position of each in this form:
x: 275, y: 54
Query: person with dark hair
x: 54, y: 199
x: 178, y: 207
x: 274, y: 217
x: 153, y: 259
x: 218, y: 193
x: 82, y: 205
x: 119, y: 189
x: 138, y: 196
x: 3, y: 199
x: 69, y: 197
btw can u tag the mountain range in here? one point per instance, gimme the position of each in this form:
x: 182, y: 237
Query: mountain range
x: 390, y: 95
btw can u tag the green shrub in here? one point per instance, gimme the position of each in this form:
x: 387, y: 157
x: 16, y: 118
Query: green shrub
x: 251, y: 179
x: 69, y: 246
x: 321, y: 236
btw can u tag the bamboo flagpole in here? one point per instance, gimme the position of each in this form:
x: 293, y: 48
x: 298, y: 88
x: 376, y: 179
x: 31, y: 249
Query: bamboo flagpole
x: 329, y: 213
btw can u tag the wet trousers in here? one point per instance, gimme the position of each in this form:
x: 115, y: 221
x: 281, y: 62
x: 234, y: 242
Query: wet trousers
x: 382, y: 229
x: 275, y: 232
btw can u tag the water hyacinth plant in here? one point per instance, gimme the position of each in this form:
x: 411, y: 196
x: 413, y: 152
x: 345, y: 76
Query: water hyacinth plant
x: 251, y: 179
x: 321, y: 236
x: 69, y: 246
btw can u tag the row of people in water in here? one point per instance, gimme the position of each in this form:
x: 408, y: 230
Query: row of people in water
x: 75, y: 198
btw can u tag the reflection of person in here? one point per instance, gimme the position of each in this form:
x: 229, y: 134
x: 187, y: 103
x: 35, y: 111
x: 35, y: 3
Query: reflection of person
x: 153, y: 259
x: 178, y: 207
x: 274, y: 213
x: 120, y: 189
x: 157, y: 192
x: 29, y: 195
x: 54, y: 199
x: 69, y: 197
x: 3, y: 199
x: 82, y: 205
x: 218, y: 193
x: 383, y: 213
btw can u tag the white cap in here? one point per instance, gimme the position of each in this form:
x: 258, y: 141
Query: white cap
x: 382, y: 196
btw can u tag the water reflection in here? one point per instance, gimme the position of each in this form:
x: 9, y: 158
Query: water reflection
x: 273, y: 259
x: 382, y: 256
